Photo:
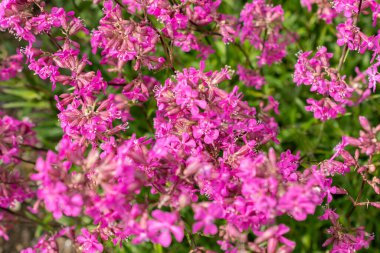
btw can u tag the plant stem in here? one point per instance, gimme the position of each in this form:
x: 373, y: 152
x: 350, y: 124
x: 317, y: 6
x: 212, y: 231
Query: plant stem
x: 34, y: 147
x: 355, y: 203
x: 24, y: 160
x: 345, y: 49
x: 245, y: 54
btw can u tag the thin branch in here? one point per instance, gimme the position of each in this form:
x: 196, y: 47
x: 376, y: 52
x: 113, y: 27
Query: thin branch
x: 121, y: 5
x: 34, y: 147
x: 54, y: 41
x: 24, y: 160
x: 342, y: 57
x: 356, y: 201
x: 25, y: 218
x: 245, y: 54
x: 167, y: 52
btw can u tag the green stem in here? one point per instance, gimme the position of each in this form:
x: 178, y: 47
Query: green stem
x: 348, y: 215
x: 245, y: 54
x: 345, y: 51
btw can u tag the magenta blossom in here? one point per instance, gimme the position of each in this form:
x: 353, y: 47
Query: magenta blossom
x: 88, y: 242
x: 163, y: 225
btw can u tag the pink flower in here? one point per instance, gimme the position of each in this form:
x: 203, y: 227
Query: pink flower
x: 273, y: 236
x: 288, y: 165
x: 163, y: 225
x: 347, y: 242
x: 324, y: 109
x: 325, y: 10
x: 368, y: 141
x: 329, y: 215
x: 57, y: 196
x: 373, y: 76
x: 250, y: 77
x: 10, y: 66
x: 88, y: 242
x: 348, y: 7
x: 299, y: 201
x: 207, y: 130
x: 13, y: 135
x: 188, y: 98
x: 253, y: 17
x: 206, y: 215
x: 3, y: 232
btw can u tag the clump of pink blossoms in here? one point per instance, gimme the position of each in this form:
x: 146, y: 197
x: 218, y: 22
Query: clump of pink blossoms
x: 337, y: 91
x: 207, y: 166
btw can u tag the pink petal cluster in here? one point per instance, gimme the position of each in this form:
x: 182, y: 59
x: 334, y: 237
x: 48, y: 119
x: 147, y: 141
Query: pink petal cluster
x: 262, y: 26
x: 368, y: 142
x: 14, y: 134
x: 343, y: 162
x: 141, y: 88
x: 125, y: 40
x: 315, y: 71
x: 90, y: 121
x: 204, y: 144
x: 88, y: 242
x: 58, y: 189
x: 341, y: 238
x: 10, y: 66
x: 48, y: 242
x: 324, y: 80
x: 208, y: 152
x: 13, y: 188
x: 250, y: 77
x: 325, y: 9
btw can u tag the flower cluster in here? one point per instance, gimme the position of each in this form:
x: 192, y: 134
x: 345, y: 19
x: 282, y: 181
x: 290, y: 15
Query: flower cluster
x: 368, y: 144
x: 343, y: 239
x: 125, y: 40
x: 325, y: 9
x: 210, y: 164
x: 14, y: 135
x: 202, y: 146
x: 10, y: 66
x: 48, y: 243
x: 83, y: 117
x: 261, y: 26
x: 349, y: 239
x: 58, y: 189
x: 250, y: 77
x: 324, y: 80
x: 327, y: 80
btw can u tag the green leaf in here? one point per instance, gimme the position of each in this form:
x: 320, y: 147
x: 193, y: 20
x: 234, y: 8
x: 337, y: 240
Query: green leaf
x: 23, y: 93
